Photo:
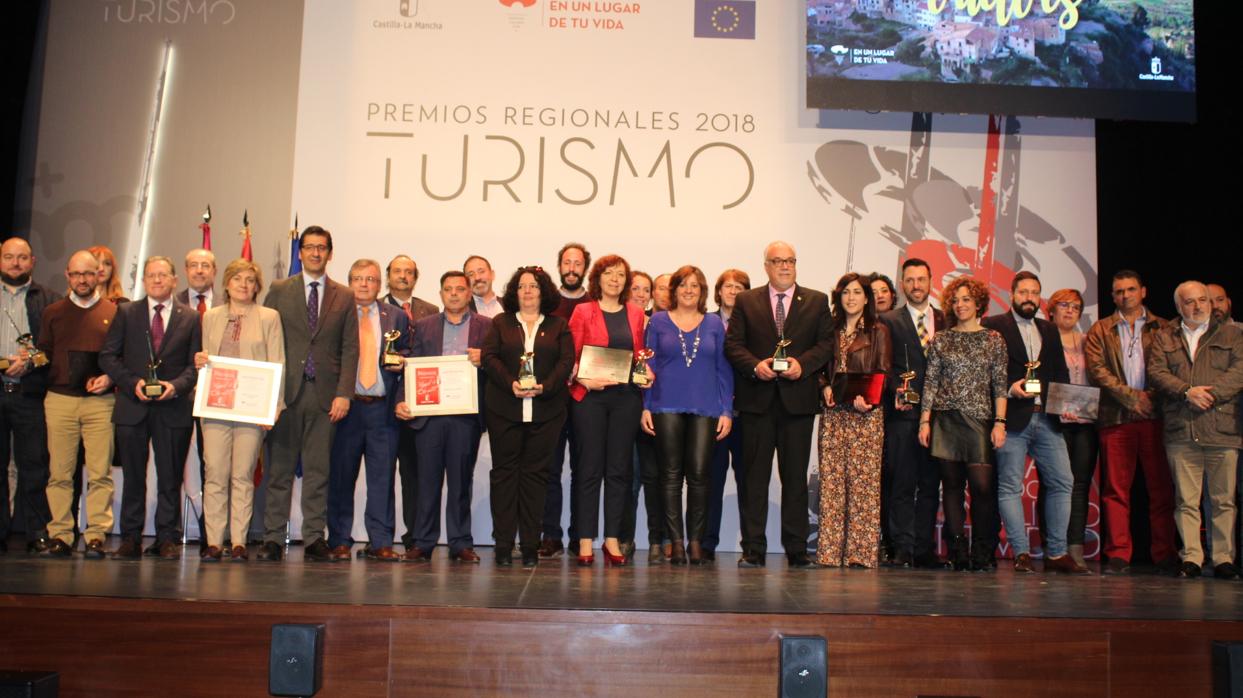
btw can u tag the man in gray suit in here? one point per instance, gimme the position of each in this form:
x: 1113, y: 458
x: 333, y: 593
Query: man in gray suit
x: 321, y: 363
x: 200, y: 295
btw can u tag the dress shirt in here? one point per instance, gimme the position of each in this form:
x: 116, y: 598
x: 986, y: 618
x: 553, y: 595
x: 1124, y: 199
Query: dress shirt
x: 84, y: 304
x: 785, y: 302
x: 456, y: 336
x: 306, y: 289
x: 929, y: 325
x: 15, y: 323
x: 373, y: 317
x: 1133, y: 350
x: 528, y: 345
x: 1031, y: 340
x: 166, y: 312
x: 1193, y: 337
x: 488, y: 309
x: 193, y: 297
x: 724, y: 315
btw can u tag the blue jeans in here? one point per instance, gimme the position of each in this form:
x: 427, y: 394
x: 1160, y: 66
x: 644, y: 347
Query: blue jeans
x: 1048, y: 449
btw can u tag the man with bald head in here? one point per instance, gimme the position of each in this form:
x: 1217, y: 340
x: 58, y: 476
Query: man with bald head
x: 78, y: 407
x: 1220, y: 300
x: 22, y: 422
x: 777, y: 403
x: 1196, y: 366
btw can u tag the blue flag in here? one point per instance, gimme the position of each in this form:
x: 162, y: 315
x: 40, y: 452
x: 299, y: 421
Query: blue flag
x: 725, y: 19
x: 295, y: 258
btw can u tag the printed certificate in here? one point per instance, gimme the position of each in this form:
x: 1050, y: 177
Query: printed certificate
x: 239, y: 390
x: 441, y: 385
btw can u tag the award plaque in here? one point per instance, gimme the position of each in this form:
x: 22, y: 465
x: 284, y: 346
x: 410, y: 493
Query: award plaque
x: 37, y: 358
x: 1031, y: 382
x: 391, y: 357
x: 151, y: 386
x: 526, y: 371
x: 781, y: 362
x: 603, y: 363
x: 639, y: 374
x: 906, y: 395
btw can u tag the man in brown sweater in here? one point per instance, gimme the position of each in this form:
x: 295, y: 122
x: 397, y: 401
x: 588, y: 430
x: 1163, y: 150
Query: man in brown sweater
x: 78, y: 407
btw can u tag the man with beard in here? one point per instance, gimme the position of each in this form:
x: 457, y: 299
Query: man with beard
x: 483, y: 300
x: 1222, y: 306
x: 1196, y: 367
x: 78, y: 407
x: 403, y: 274
x: 22, y: 422
x: 572, y: 263
x: 914, y: 478
x: 1030, y: 431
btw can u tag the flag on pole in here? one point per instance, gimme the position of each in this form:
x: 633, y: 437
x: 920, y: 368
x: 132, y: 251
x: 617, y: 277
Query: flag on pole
x: 205, y: 226
x: 246, y: 252
x: 295, y: 248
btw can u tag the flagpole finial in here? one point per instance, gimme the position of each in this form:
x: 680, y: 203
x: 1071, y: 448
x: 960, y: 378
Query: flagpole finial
x: 207, y: 214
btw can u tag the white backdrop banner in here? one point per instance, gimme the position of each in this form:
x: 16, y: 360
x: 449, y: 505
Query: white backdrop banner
x: 670, y: 133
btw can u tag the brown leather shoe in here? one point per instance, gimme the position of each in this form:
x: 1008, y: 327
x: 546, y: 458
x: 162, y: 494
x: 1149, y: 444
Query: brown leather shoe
x: 58, y: 548
x: 1023, y: 563
x: 212, y: 553
x: 341, y: 553
x: 416, y: 554
x: 1065, y: 565
x: 550, y: 547
x: 466, y: 555
x: 94, y: 549
x: 170, y: 550
x: 384, y: 555
x: 238, y: 554
x: 128, y: 550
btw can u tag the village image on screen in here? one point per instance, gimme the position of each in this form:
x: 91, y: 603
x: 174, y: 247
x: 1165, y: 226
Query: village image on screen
x: 1102, y: 44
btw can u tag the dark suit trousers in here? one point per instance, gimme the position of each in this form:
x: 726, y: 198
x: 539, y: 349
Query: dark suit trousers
x: 302, y: 431
x: 447, y: 445
x: 519, y: 477
x: 556, y: 463
x: 171, y: 445
x: 724, y: 454
x: 790, y: 435
x: 408, y: 466
x: 914, y: 489
x: 24, y: 428
x: 605, y: 423
x: 367, y: 430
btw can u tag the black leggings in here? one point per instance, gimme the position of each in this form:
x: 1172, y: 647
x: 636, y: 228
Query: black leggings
x: 684, y: 444
x: 980, y: 478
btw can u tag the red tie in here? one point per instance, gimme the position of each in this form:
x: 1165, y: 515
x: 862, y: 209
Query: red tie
x: 157, y: 328
x: 409, y: 313
x: 202, y: 306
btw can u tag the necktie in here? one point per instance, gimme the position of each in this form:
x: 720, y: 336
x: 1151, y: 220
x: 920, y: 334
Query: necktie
x: 781, y: 314
x: 366, y: 350
x: 409, y: 311
x: 157, y: 328
x: 312, y: 321
x: 202, y: 306
x: 922, y: 331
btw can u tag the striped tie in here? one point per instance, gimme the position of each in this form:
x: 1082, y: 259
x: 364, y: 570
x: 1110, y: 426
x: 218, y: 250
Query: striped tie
x: 922, y: 332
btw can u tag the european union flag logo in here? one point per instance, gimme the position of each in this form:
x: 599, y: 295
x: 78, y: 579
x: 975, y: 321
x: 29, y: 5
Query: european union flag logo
x: 725, y: 19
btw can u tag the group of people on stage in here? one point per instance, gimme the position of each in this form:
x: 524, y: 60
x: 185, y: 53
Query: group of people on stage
x: 917, y: 406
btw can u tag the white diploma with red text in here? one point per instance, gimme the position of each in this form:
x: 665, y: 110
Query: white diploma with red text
x: 239, y: 390
x: 438, y: 385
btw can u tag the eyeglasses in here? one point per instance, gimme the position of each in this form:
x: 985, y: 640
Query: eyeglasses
x: 368, y: 279
x: 316, y: 248
x: 1067, y: 305
x: 783, y: 261
x: 82, y: 274
x: 157, y: 276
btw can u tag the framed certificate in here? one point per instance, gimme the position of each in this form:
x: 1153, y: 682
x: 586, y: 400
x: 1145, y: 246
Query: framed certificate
x: 239, y: 390
x: 441, y: 385
x: 602, y: 363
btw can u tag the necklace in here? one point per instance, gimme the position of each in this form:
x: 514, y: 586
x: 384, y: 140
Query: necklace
x: 689, y: 358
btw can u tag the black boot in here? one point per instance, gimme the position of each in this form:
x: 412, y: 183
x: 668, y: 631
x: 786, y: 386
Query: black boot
x: 959, y: 554
x: 982, y: 559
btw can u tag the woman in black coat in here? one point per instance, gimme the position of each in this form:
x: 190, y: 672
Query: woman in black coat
x: 524, y: 409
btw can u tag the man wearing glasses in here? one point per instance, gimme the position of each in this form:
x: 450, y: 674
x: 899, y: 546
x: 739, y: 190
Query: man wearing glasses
x: 78, y: 407
x: 777, y: 398
x: 157, y: 335
x: 1129, y: 425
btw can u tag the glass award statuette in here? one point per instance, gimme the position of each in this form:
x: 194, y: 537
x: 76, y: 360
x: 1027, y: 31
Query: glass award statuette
x: 781, y: 362
x: 526, y: 371
x: 37, y: 358
x: 906, y: 395
x: 639, y: 374
x: 391, y: 357
x: 1031, y: 382
x: 151, y: 386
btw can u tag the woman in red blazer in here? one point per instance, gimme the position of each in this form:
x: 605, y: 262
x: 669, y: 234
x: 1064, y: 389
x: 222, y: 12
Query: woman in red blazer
x: 605, y: 414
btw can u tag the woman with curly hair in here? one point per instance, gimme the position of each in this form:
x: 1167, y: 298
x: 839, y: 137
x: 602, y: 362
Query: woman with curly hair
x: 963, y: 419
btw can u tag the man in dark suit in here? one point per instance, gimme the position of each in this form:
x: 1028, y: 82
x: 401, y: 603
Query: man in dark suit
x: 778, y: 408
x: 403, y: 274
x: 321, y: 363
x: 914, y: 477
x: 1030, y: 431
x: 22, y: 421
x: 447, y: 444
x: 169, y: 331
x: 371, y: 427
x: 200, y: 294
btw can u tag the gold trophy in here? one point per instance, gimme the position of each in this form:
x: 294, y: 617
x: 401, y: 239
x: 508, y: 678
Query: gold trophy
x: 1031, y: 383
x: 37, y: 358
x: 5, y: 363
x: 781, y: 362
x: 151, y: 386
x: 391, y: 357
x: 906, y: 395
x: 526, y: 371
x: 639, y: 374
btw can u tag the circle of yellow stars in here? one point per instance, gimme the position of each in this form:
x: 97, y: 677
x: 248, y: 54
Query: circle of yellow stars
x: 721, y: 9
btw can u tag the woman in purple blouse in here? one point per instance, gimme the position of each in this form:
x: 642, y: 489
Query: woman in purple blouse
x: 690, y: 407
